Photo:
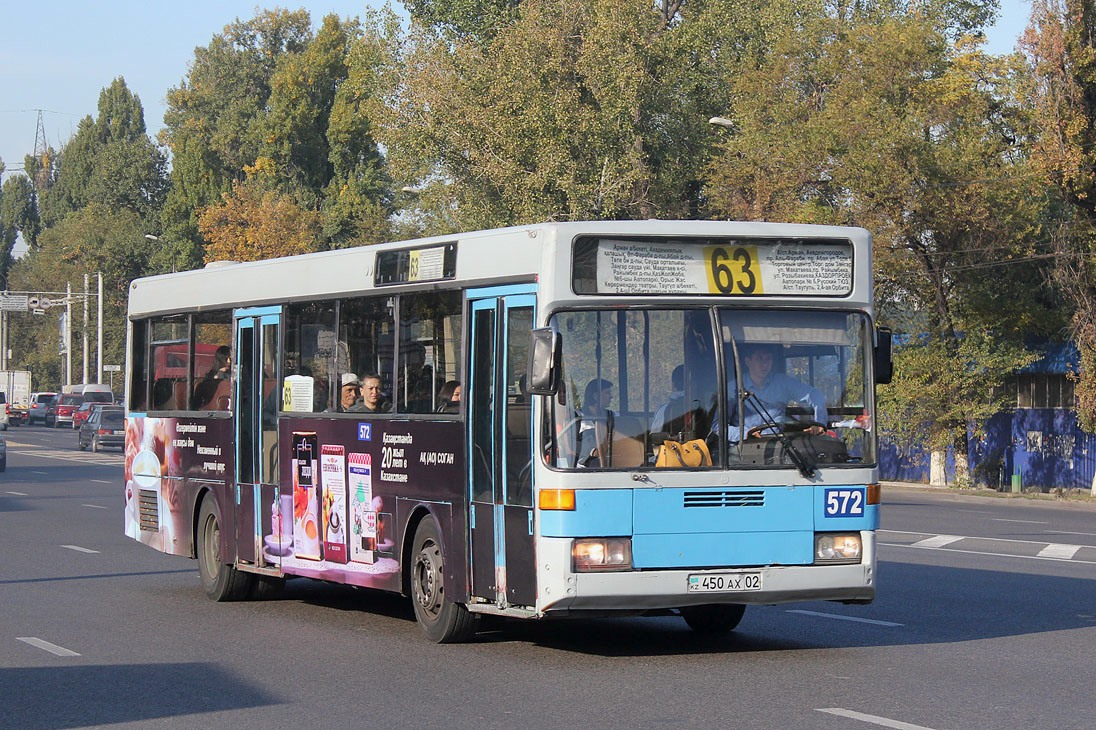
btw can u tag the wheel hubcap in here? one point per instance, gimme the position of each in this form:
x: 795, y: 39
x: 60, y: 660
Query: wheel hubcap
x: 212, y: 547
x: 427, y: 579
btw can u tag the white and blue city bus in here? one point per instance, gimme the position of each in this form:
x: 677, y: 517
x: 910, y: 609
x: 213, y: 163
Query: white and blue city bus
x: 654, y: 417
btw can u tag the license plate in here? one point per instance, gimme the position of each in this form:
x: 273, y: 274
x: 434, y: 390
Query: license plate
x: 724, y: 582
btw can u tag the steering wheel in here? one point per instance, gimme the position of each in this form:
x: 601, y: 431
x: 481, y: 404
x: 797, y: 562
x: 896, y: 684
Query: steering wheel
x: 755, y: 432
x: 786, y: 427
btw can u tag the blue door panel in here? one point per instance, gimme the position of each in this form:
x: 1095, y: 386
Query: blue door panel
x: 714, y: 550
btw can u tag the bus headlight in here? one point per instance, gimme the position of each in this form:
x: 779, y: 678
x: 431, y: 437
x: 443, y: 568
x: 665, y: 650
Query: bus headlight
x: 601, y: 554
x: 837, y: 547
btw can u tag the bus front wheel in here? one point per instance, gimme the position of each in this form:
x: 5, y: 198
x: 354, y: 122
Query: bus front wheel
x: 220, y: 580
x: 442, y: 620
x: 713, y: 619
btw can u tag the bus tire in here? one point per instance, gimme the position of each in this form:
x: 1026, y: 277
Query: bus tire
x: 442, y: 620
x: 220, y: 580
x: 713, y: 619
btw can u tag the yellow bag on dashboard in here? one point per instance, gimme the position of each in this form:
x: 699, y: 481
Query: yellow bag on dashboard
x: 677, y: 455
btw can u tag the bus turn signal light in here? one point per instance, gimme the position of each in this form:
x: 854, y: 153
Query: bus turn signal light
x: 561, y: 499
x: 875, y: 493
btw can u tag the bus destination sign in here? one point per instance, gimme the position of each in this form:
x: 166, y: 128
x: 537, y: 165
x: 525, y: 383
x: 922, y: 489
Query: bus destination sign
x: 408, y: 266
x: 739, y: 267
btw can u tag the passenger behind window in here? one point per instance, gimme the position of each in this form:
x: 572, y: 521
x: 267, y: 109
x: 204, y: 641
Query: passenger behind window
x: 372, y: 398
x: 349, y: 395
x: 208, y: 390
x: 670, y: 416
x: 163, y: 394
x: 594, y: 417
x: 449, y: 397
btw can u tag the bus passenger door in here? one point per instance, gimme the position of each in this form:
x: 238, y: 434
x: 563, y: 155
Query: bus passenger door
x: 256, y: 411
x: 500, y: 450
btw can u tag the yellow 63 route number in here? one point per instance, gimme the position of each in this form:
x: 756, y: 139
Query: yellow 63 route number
x: 733, y: 270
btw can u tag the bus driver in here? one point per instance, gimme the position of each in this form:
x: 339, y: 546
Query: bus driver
x: 774, y: 391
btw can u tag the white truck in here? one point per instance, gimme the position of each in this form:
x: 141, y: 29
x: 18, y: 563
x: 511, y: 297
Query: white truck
x: 15, y: 387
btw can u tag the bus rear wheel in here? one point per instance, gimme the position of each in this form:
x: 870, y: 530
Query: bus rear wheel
x: 442, y: 620
x: 220, y: 580
x: 714, y: 619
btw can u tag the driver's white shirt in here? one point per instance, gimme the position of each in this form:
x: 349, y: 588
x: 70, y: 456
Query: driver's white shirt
x: 779, y: 389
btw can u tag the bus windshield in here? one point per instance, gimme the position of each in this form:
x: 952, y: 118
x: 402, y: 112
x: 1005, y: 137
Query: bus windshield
x: 760, y: 388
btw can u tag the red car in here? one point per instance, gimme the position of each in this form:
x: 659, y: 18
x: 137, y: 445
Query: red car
x: 62, y: 407
x: 81, y: 414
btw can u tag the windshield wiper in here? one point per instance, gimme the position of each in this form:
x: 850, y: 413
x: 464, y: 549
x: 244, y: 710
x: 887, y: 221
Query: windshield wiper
x: 806, y: 468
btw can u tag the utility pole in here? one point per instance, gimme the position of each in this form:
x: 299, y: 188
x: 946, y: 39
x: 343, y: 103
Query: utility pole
x: 85, y: 333
x: 68, y: 333
x: 99, y: 373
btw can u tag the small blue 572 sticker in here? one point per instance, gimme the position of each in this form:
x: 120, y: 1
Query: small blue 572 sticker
x: 365, y: 431
x: 845, y: 502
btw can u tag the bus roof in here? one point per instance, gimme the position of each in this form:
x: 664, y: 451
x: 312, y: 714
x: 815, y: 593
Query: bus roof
x: 539, y: 252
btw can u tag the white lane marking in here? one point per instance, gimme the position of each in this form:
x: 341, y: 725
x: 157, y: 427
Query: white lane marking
x: 1056, y: 532
x: 39, y: 472
x: 967, y: 537
x: 873, y: 719
x: 845, y: 618
x: 79, y: 549
x: 937, y: 541
x: 51, y: 648
x: 93, y: 506
x: 1065, y: 552
x: 102, y: 481
x: 18, y: 494
x: 1022, y: 522
x: 992, y: 555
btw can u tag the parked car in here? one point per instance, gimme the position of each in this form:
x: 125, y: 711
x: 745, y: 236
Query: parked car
x: 61, y: 408
x: 3, y: 411
x: 17, y: 414
x: 106, y: 426
x: 39, y: 403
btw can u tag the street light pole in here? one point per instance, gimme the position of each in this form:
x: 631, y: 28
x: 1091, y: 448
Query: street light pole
x: 68, y: 333
x: 85, y: 333
x: 99, y: 313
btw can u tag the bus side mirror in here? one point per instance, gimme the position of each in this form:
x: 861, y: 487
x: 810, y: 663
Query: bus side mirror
x: 884, y: 365
x: 544, y: 361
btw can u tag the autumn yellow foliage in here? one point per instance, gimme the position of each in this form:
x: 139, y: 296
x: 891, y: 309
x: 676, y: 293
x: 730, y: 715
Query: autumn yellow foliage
x: 251, y: 224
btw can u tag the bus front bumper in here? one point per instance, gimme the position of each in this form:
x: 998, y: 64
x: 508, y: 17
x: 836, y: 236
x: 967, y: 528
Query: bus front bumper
x: 567, y: 591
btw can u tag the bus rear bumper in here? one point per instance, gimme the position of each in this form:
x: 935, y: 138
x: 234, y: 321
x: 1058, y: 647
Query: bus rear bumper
x: 663, y: 589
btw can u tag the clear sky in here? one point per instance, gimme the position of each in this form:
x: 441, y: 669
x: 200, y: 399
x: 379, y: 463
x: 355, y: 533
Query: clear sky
x: 57, y: 55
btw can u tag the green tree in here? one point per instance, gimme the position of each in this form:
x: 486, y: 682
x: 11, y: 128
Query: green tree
x: 477, y: 20
x: 571, y: 110
x: 110, y: 160
x: 1060, y: 50
x: 876, y: 119
x: 18, y: 216
x: 214, y: 121
x: 94, y: 239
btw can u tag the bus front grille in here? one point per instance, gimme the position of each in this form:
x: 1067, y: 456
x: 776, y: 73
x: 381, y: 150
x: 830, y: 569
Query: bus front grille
x: 726, y: 498
x: 150, y: 510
